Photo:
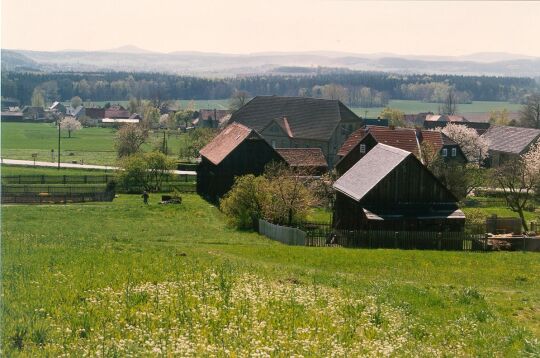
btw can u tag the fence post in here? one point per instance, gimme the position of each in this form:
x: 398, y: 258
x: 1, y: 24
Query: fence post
x: 86, y: 179
x: 64, y: 179
x: 485, y: 242
x: 439, y: 239
x: 43, y: 179
x: 396, y: 234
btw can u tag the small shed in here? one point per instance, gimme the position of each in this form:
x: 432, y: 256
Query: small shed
x: 309, y: 159
x: 236, y: 151
x: 390, y: 189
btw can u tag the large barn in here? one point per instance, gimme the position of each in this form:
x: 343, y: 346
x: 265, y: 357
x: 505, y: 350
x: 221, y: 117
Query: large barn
x: 390, y: 189
x: 236, y: 151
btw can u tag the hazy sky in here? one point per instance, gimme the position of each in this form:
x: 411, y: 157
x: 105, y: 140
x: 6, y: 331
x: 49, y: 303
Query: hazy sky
x: 244, y: 26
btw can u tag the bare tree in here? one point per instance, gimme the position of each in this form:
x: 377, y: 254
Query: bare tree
x: 518, y: 179
x: 238, y: 100
x: 449, y: 106
x: 129, y: 139
x: 70, y: 124
x: 289, y: 193
x: 530, y: 113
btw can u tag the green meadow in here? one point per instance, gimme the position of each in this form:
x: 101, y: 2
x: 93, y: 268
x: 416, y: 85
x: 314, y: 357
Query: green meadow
x: 125, y: 279
x: 90, y: 145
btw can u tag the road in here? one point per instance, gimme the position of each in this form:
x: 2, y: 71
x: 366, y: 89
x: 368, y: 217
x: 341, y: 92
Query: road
x: 31, y: 163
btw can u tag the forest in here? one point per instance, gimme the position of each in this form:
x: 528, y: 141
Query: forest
x: 357, y: 88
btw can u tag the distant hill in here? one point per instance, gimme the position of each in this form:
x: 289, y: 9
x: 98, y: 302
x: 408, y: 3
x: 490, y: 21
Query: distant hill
x: 15, y: 61
x: 132, y: 58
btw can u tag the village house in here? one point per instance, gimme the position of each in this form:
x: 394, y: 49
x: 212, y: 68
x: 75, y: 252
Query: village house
x: 508, y: 143
x: 300, y: 122
x: 117, y: 112
x: 58, y: 107
x: 390, y: 189
x: 309, y: 160
x: 211, y: 118
x: 236, y: 151
x: 411, y: 140
x: 34, y: 113
x: 76, y: 112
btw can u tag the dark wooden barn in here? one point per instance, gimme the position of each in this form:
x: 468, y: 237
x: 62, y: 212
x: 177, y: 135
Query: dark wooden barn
x: 390, y: 189
x: 236, y: 151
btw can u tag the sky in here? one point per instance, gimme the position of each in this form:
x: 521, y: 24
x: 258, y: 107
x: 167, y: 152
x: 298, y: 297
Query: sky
x: 248, y: 26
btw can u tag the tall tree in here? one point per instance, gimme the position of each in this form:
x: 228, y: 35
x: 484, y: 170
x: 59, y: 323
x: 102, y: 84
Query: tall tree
x: 395, y: 116
x: 76, y: 102
x: 530, y: 113
x: 449, y: 106
x: 238, y: 100
x: 38, y: 99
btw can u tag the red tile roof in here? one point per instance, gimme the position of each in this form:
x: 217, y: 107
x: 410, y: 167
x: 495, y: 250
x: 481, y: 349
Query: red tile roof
x: 116, y: 113
x: 225, y: 142
x: 303, y: 157
x: 402, y: 138
x: 432, y: 137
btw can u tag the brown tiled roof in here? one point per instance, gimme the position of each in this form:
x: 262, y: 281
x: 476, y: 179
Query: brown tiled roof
x: 308, y: 118
x: 435, y: 138
x: 204, y: 114
x: 225, y: 142
x: 116, y: 113
x: 95, y: 113
x: 303, y: 157
x: 402, y: 138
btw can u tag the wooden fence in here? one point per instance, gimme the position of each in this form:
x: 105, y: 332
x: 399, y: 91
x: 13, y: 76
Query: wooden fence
x: 320, y: 235
x: 283, y: 234
x: 55, y: 198
x: 82, y: 179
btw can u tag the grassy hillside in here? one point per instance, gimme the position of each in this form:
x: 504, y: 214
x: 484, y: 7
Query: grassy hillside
x: 91, y: 145
x: 175, y: 280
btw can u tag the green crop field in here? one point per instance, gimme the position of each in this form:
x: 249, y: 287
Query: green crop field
x: 407, y: 106
x: 90, y: 145
x: 419, y: 106
x: 122, y: 278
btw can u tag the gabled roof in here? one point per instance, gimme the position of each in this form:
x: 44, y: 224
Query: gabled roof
x: 370, y: 170
x: 95, y: 113
x: 226, y: 141
x: 445, y: 118
x: 116, y: 112
x: 403, y: 138
x: 303, y: 157
x: 283, y: 123
x: 513, y: 140
x: 308, y: 118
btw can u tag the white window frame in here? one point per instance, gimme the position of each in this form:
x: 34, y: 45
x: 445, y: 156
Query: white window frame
x: 273, y: 144
x: 454, y: 152
x: 444, y: 152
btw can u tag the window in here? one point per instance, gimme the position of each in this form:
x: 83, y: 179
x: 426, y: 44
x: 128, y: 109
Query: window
x: 274, y: 144
x: 362, y: 148
x: 454, y: 152
x: 445, y: 152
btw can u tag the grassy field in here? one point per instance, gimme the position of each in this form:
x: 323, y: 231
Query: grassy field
x: 174, y: 280
x: 8, y: 170
x: 407, y: 106
x: 419, y: 106
x: 90, y: 145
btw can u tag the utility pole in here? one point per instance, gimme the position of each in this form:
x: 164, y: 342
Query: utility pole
x: 58, y: 122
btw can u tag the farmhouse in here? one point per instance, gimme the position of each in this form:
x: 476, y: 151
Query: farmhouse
x: 76, y: 112
x: 211, y: 118
x: 116, y: 112
x: 508, y: 143
x: 299, y: 122
x: 309, y: 160
x: 390, y: 189
x: 58, y: 107
x: 236, y: 151
x: 411, y: 140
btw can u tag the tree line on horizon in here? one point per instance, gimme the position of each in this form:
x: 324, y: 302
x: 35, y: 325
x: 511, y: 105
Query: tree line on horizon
x: 361, y: 89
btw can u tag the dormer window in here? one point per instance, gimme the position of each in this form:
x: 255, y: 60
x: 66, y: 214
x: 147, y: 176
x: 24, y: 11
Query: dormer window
x: 454, y: 152
x: 445, y: 152
x: 362, y: 148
